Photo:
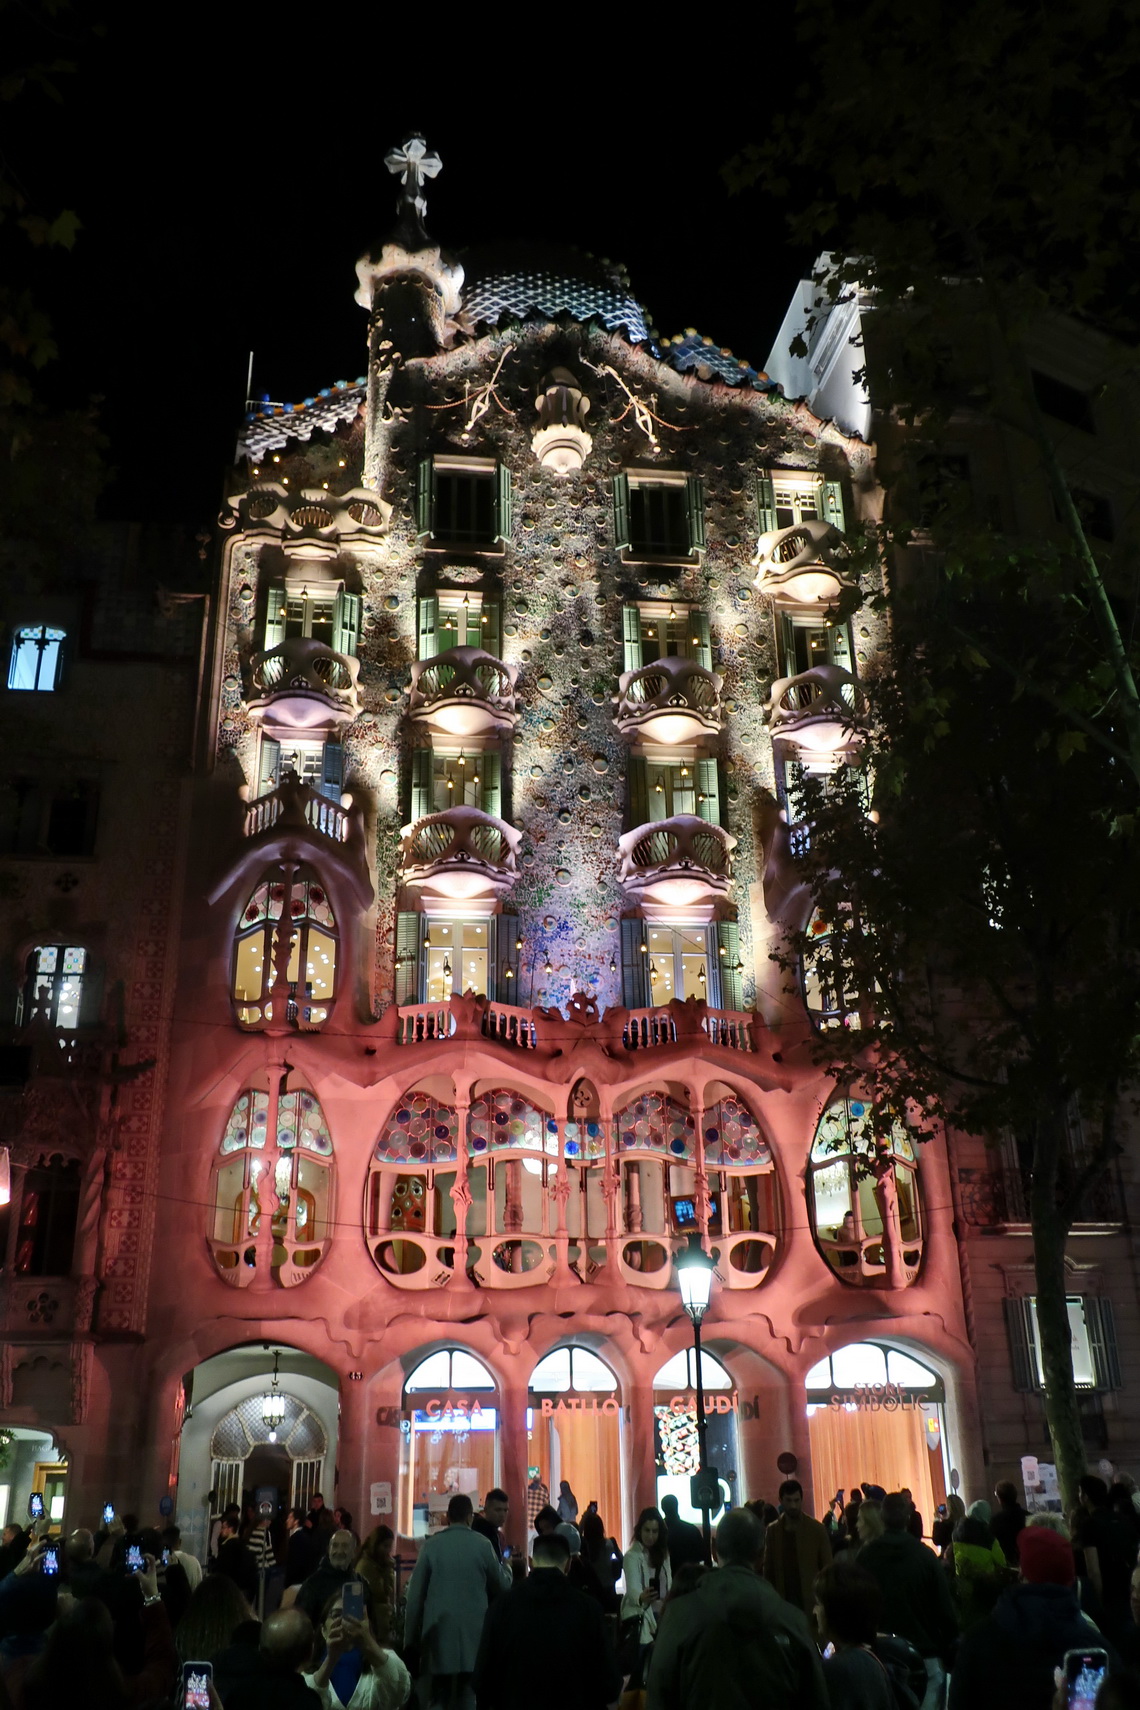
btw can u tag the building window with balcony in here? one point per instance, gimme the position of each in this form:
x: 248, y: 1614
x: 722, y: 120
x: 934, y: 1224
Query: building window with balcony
x: 271, y: 1205
x: 53, y: 986
x: 310, y: 953
x: 456, y: 617
x: 806, y: 642
x: 443, y: 779
x: 661, y: 961
x: 659, y: 788
x: 863, y: 1193
x: 328, y: 614
x: 319, y: 765
x: 655, y: 630
x: 659, y: 515
x: 49, y: 1212
x: 829, y: 994
x: 463, y: 502
x: 36, y: 657
x: 786, y: 498
x: 409, y: 1213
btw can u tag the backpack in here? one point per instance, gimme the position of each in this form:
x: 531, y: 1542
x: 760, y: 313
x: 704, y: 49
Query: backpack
x: 904, y: 1668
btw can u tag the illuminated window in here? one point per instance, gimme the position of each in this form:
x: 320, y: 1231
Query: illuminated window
x: 853, y: 1174
x: 37, y: 653
x: 310, y: 971
x: 1092, y: 1331
x: 53, y: 985
x: 276, y: 1155
x: 679, y: 964
x: 456, y: 958
x: 807, y: 642
x: 829, y: 993
x: 327, y: 614
x: 49, y: 1210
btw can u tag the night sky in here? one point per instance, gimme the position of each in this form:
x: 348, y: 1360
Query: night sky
x: 227, y: 182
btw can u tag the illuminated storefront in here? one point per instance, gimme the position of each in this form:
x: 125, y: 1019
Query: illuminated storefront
x: 877, y: 1415
x: 574, y: 1432
x: 676, y: 1450
x: 448, y: 1438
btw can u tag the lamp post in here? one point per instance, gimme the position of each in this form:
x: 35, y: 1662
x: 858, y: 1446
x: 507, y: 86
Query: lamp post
x: 694, y: 1278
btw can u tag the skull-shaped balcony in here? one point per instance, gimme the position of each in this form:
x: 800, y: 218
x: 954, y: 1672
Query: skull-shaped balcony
x: 464, y: 692
x: 461, y: 854
x: 683, y: 862
x: 302, y: 685
x: 803, y: 568
x: 671, y: 702
x: 822, y: 713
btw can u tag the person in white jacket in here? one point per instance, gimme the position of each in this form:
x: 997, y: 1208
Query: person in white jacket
x: 357, y: 1673
x: 647, y: 1580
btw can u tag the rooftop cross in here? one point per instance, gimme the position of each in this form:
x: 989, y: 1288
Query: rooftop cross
x: 414, y: 165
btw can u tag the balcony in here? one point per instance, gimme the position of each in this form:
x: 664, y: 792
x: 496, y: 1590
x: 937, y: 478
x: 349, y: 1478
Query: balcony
x: 676, y: 862
x: 464, y: 692
x: 310, y: 523
x: 672, y: 701
x: 823, y: 713
x: 460, y: 854
x: 294, y: 806
x: 648, y: 1029
x: 302, y: 686
x: 803, y: 568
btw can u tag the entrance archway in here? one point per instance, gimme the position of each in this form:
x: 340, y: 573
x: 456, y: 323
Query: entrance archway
x: 449, y: 1438
x: 574, y: 1434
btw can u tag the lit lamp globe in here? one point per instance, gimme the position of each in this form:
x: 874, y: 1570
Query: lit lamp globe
x: 695, y: 1278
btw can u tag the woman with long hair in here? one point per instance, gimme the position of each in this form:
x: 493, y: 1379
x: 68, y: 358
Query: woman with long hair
x: 375, y: 1566
x: 602, y: 1562
x: 213, y: 1615
x: 648, y: 1579
x: 848, y: 1605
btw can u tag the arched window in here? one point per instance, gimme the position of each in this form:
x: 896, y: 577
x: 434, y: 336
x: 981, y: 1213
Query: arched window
x: 571, y: 1368
x: 504, y: 1121
x: 275, y: 1156
x: 310, y: 972
x: 829, y: 991
x: 864, y: 1195
x: 657, y: 1124
x: 409, y: 1215
x: 449, y: 1439
x: 449, y: 1371
x: 744, y: 1212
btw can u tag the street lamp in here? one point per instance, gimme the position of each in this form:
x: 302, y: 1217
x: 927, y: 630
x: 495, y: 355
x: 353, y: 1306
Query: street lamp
x: 694, y: 1278
x: 273, y: 1402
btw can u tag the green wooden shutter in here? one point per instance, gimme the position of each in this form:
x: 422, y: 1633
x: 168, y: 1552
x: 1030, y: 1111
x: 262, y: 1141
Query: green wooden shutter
x: 428, y: 625
x: 727, y: 955
x: 503, y: 504
x: 268, y: 766
x: 700, y: 641
x: 425, y: 496
x: 695, y: 507
x: 637, y: 791
x: 408, y: 957
x: 621, y: 512
x: 708, y: 786
x: 631, y: 637
x: 1022, y: 1346
x: 1101, y: 1326
x: 422, y: 803
x: 490, y: 632
x: 346, y: 624
x: 766, y: 504
x: 634, y: 965
x: 658, y: 799
x: 831, y: 498
x: 332, y: 769
x: 274, y: 618
x: 491, y: 784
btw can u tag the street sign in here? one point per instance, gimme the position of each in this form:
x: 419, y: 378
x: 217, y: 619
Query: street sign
x: 705, y: 1491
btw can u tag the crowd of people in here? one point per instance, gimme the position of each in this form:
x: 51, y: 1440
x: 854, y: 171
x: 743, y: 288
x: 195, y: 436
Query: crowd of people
x: 854, y: 1612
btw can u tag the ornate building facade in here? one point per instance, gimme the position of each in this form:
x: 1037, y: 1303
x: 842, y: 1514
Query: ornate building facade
x: 455, y: 1014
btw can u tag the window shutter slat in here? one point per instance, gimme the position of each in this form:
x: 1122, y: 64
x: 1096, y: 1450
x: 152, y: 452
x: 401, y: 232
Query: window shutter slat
x: 268, y: 766
x: 503, y: 503
x: 407, y: 957
x: 701, y: 642
x: 631, y: 637
x: 491, y: 787
x: 346, y: 624
x: 1022, y: 1352
x: 708, y: 785
x: 1101, y: 1326
x: 621, y: 512
x: 428, y: 625
x: 274, y: 618
x: 832, y: 496
x: 332, y: 770
x: 634, y: 965
x: 425, y: 496
x: 695, y: 504
x: 421, y: 796
x: 731, y: 983
x: 766, y: 503
x: 637, y: 788
x: 491, y: 641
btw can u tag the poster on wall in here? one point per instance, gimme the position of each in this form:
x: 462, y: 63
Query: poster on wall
x: 381, y: 1498
x: 1042, y: 1492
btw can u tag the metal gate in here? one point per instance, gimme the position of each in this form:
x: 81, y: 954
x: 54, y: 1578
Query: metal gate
x: 306, y: 1482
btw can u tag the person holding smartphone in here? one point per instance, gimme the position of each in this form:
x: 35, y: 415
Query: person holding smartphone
x: 648, y: 1577
x: 356, y: 1673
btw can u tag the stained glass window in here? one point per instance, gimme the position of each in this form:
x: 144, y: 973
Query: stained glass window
x: 275, y: 1152
x: 847, y: 1194
x: 311, y: 968
x: 420, y: 1129
x: 732, y: 1136
x: 656, y: 1123
x: 503, y: 1121
x: 585, y: 1142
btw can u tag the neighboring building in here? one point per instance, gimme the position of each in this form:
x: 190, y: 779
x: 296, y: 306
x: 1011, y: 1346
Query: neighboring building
x: 1082, y: 383
x: 518, y: 646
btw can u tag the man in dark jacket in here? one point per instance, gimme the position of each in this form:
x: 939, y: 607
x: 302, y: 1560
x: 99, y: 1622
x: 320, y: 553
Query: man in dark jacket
x: 1009, y: 1657
x: 1008, y: 1520
x: 686, y: 1543
x: 544, y: 1642
x: 916, y: 1591
x: 277, y: 1683
x: 733, y: 1641
x: 329, y: 1577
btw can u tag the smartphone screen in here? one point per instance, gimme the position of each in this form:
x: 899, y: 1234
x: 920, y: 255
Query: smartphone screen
x: 196, y: 1678
x: 49, y: 1561
x: 166, y: 1558
x: 135, y: 1563
x: 352, y: 1600
x: 108, y: 1513
x: 35, y: 1507
x: 1084, y: 1673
